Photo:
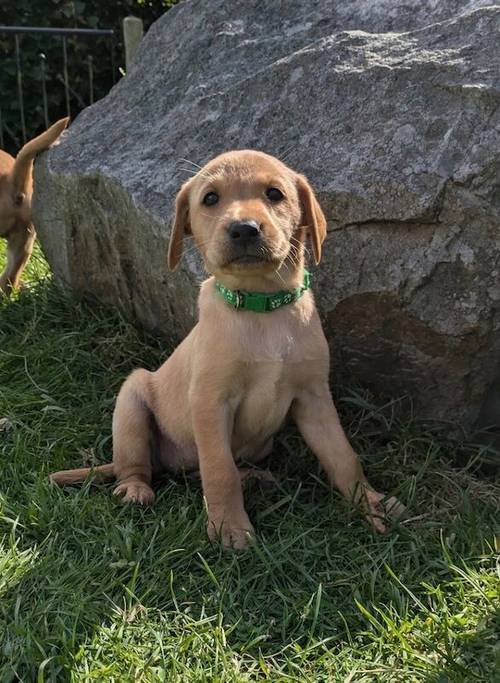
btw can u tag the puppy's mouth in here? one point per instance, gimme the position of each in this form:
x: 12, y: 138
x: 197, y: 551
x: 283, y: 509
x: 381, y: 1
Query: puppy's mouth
x: 246, y: 259
x: 260, y: 256
x: 252, y: 261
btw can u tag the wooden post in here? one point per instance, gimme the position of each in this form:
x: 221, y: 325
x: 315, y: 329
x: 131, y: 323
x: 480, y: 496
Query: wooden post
x: 133, y: 31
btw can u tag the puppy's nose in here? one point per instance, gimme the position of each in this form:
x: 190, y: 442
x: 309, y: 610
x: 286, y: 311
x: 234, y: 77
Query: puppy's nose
x: 244, y: 231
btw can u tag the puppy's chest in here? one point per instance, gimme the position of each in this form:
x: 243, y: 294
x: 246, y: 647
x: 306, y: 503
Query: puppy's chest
x: 269, y: 380
x: 281, y: 344
x: 273, y: 358
x: 265, y: 395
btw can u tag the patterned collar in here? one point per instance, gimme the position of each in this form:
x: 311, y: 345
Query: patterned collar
x: 260, y: 302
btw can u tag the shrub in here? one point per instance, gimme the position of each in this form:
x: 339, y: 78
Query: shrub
x: 107, y: 58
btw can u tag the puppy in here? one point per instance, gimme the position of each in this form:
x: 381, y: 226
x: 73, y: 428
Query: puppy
x: 16, y: 188
x: 257, y: 353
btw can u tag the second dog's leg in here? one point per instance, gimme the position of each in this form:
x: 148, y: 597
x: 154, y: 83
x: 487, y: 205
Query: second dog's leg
x: 19, y: 247
x: 132, y: 440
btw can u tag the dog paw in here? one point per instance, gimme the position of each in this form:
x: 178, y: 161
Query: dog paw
x: 379, y: 509
x: 231, y: 534
x: 263, y: 478
x: 135, y: 492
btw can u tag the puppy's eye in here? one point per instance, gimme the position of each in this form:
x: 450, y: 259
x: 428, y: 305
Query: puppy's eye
x: 210, y: 198
x: 274, y: 195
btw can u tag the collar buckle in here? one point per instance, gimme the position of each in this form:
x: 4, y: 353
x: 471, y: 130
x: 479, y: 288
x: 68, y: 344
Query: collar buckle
x: 240, y: 299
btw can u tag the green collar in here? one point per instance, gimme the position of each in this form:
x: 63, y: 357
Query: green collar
x: 260, y: 302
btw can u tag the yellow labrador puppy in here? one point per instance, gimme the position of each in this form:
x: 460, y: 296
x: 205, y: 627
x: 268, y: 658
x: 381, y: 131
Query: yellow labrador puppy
x: 257, y: 353
x: 16, y: 188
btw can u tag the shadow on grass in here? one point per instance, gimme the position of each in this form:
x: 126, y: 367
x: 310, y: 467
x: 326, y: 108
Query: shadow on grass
x: 110, y: 591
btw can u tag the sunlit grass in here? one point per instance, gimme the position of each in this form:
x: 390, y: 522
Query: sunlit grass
x: 93, y: 591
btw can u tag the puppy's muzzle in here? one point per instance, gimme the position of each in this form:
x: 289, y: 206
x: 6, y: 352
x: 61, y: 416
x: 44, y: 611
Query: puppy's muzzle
x: 245, y: 242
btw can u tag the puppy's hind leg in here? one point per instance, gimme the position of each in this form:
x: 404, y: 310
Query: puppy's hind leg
x: 132, y: 440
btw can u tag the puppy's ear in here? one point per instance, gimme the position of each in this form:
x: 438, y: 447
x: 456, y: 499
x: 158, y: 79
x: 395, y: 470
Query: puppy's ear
x: 180, y: 226
x: 313, y: 217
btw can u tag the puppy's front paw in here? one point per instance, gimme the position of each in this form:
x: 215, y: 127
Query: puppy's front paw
x: 234, y: 533
x: 135, y: 492
x: 380, y: 509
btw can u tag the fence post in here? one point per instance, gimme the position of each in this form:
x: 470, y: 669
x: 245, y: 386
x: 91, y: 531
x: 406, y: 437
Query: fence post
x: 133, y: 31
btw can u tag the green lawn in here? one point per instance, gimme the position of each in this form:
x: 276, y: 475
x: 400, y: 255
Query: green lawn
x: 94, y: 591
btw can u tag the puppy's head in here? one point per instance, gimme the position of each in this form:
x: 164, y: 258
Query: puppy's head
x: 247, y: 212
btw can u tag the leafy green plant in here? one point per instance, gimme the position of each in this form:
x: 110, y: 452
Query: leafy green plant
x: 107, y: 58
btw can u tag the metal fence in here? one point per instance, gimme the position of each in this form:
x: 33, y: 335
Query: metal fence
x: 76, y: 95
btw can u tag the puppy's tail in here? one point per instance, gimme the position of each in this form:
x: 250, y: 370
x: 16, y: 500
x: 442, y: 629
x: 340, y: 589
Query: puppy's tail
x: 65, y: 477
x: 23, y: 165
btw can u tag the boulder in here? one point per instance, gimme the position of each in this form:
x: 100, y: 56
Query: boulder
x: 390, y: 107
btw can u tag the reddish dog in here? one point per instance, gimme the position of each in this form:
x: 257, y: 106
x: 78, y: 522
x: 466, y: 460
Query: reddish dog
x: 16, y: 188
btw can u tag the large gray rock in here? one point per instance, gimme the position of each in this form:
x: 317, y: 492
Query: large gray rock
x: 391, y: 108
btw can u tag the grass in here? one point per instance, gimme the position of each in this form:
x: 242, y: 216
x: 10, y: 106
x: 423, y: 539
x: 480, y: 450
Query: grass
x: 94, y: 591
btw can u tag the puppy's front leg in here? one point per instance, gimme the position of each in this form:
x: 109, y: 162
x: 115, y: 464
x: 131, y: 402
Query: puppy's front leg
x: 318, y: 421
x: 220, y: 478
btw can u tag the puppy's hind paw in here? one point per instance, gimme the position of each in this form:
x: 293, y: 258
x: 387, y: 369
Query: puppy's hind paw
x: 263, y: 478
x: 135, y: 492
